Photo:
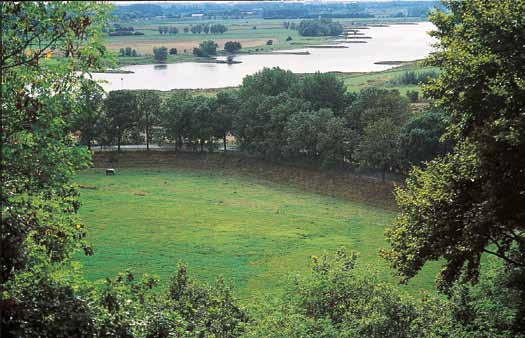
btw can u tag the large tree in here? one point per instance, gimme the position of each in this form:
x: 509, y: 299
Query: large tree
x: 91, y: 109
x: 38, y: 198
x: 121, y: 108
x: 148, y: 110
x: 472, y: 202
x: 378, y: 147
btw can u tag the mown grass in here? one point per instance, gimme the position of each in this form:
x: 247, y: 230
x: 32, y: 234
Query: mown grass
x: 251, y: 231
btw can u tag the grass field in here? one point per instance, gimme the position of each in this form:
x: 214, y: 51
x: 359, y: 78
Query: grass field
x: 252, y: 231
x: 357, y: 81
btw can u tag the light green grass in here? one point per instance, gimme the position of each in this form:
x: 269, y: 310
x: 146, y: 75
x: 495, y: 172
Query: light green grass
x: 357, y: 81
x: 252, y: 232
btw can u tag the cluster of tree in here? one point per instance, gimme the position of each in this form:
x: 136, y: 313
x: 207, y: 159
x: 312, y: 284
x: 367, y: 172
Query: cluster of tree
x: 322, y: 27
x: 232, y: 46
x: 119, y: 30
x: 206, y: 48
x: 128, y: 51
x: 415, y: 77
x: 458, y: 208
x: 160, y: 54
x: 213, y: 29
x: 168, y: 30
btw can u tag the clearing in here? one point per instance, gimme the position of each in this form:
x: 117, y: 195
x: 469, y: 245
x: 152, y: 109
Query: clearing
x: 248, y: 229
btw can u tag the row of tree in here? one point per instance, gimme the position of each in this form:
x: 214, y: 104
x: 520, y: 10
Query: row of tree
x: 128, y: 51
x: 213, y: 29
x: 168, y: 30
x: 280, y: 115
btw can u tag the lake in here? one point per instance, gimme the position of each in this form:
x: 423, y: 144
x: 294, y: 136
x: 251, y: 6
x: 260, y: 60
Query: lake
x: 392, y: 43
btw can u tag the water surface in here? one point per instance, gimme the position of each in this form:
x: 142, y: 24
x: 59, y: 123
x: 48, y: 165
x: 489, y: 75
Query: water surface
x: 396, y: 42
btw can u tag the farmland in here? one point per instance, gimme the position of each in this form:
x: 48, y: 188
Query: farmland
x: 253, y: 230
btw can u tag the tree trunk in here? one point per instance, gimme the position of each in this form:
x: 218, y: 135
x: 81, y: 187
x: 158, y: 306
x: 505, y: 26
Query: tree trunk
x: 147, y: 139
x: 202, y: 146
x: 179, y: 142
x: 118, y: 143
x: 383, y: 174
x: 224, y: 140
x: 89, y: 144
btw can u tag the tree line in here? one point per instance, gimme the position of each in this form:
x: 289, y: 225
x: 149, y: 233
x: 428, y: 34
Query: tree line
x: 280, y: 115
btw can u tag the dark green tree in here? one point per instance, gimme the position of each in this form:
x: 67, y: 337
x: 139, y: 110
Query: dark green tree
x: 232, y: 46
x: 88, y: 118
x: 471, y: 203
x: 420, y: 138
x: 160, y: 54
x: 378, y: 148
x: 148, y: 110
x: 121, y: 112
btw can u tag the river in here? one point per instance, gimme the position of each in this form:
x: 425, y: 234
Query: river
x: 392, y: 43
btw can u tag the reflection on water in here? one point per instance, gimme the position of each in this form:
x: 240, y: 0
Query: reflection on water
x: 394, y: 43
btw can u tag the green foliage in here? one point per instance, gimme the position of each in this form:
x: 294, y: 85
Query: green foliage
x: 206, y: 48
x: 148, y: 110
x: 415, y: 77
x: 413, y: 95
x: 121, y: 114
x: 470, y: 202
x: 420, y: 138
x: 38, y: 96
x: 232, y: 46
x: 372, y: 104
x: 323, y: 27
x: 88, y: 120
x: 335, y: 301
x: 173, y: 51
x: 160, y: 54
x: 210, y: 310
x: 323, y: 91
x: 379, y: 147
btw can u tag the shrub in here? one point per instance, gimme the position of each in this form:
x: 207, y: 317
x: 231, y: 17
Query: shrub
x: 269, y: 42
x: 173, y: 51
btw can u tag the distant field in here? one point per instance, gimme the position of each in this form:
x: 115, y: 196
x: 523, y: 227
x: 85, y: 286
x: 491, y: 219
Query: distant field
x: 238, y: 30
x: 251, y: 231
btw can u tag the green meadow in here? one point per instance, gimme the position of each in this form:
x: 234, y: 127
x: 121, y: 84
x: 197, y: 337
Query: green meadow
x: 253, y: 232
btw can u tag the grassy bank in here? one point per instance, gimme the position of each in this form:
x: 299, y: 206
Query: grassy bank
x: 253, y: 230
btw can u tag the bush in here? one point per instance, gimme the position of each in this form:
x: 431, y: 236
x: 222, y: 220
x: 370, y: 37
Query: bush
x: 289, y: 38
x: 269, y: 42
x: 413, y: 95
x: 173, y: 51
x: 232, y: 46
x: 161, y: 54
x: 336, y: 301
